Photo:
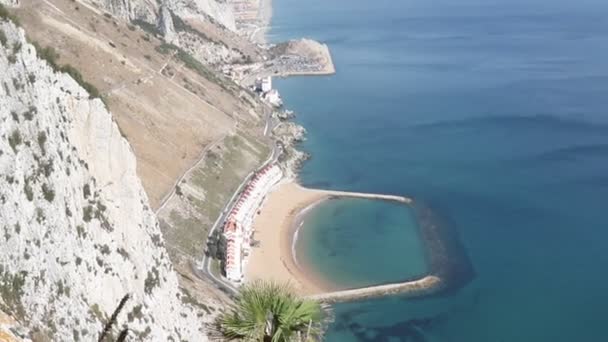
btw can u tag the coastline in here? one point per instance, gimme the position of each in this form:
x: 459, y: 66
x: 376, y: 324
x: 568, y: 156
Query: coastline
x: 275, y: 227
x: 279, y: 220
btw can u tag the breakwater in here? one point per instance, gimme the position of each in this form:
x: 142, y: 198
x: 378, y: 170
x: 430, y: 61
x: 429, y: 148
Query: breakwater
x: 337, y: 194
x: 449, y: 267
x: 425, y: 285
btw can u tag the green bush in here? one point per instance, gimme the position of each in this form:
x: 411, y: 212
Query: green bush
x: 5, y: 14
x: 77, y: 76
x: 152, y: 280
x: 87, y: 213
x: 48, y: 192
x: 29, y: 113
x: 42, y: 141
x: 3, y: 39
x: 50, y: 55
x: 86, y: 191
x: 15, y: 140
x: 146, y: 26
x: 29, y: 193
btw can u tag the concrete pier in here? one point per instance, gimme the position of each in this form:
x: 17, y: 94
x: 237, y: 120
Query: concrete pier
x: 422, y: 286
x: 395, y: 198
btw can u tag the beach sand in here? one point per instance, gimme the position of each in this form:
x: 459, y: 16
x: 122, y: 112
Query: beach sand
x: 274, y: 227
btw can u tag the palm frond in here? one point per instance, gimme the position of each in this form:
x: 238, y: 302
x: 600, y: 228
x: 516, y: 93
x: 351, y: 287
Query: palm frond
x: 267, y: 311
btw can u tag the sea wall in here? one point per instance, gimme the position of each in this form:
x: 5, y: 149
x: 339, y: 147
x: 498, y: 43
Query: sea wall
x: 446, y: 255
x: 449, y: 267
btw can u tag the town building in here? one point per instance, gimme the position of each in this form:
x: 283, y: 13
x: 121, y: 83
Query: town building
x: 238, y: 227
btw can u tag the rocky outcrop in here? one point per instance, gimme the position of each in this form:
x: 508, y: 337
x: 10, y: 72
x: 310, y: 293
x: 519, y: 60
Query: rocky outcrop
x: 215, y: 10
x: 165, y: 25
x: 145, y: 10
x: 149, y: 10
x: 78, y: 240
x: 206, y: 51
x: 289, y: 132
x: 11, y: 3
x: 288, y: 135
x: 284, y: 115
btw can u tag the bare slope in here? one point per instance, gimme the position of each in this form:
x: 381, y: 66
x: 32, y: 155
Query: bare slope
x: 168, y: 105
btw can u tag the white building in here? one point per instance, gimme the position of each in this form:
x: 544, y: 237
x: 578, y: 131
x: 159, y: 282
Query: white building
x: 266, y: 84
x: 238, y: 227
x: 263, y: 85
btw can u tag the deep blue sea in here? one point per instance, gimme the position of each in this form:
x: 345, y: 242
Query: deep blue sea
x: 496, y: 113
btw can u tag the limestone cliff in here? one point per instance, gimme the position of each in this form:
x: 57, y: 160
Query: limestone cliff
x: 145, y: 10
x: 77, y: 235
x: 149, y: 10
x: 219, y: 11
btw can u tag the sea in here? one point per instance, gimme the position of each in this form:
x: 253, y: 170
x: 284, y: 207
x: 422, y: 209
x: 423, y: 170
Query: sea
x: 492, y: 112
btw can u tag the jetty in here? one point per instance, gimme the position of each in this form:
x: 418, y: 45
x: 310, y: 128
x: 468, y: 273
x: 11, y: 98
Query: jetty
x: 418, y: 287
x: 449, y: 265
x: 333, y: 193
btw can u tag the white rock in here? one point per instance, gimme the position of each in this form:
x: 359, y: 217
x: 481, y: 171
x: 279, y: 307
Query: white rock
x: 221, y: 12
x: 166, y: 25
x: 76, y: 231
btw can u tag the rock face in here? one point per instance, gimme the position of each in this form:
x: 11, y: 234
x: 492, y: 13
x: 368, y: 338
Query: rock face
x: 76, y: 233
x: 165, y: 25
x: 218, y: 11
x: 288, y: 135
x: 129, y: 9
x: 148, y: 10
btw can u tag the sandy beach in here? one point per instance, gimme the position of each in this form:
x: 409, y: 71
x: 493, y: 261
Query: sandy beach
x: 275, y: 227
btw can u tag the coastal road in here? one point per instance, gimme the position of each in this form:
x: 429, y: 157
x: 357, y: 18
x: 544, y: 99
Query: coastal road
x: 205, y: 265
x: 203, y: 270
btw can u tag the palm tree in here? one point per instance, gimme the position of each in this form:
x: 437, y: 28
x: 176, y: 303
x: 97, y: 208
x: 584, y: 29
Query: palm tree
x: 268, y: 312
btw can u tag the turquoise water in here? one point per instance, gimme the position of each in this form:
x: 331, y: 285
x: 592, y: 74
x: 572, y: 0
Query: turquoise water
x: 346, y: 239
x: 495, y: 113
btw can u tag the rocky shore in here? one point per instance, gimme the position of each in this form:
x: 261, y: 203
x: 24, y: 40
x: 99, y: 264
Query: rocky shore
x: 288, y: 134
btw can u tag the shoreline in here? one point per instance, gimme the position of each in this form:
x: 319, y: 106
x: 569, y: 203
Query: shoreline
x: 279, y: 220
x: 277, y: 226
x: 297, y: 226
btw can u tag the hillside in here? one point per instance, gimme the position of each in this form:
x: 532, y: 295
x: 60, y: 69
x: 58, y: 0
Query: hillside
x: 174, y: 110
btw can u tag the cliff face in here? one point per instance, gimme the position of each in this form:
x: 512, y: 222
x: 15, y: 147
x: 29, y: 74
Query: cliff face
x: 129, y: 9
x: 219, y: 11
x: 148, y: 10
x: 77, y: 232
